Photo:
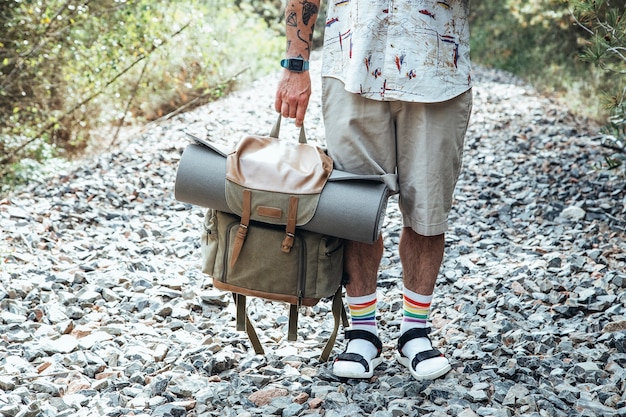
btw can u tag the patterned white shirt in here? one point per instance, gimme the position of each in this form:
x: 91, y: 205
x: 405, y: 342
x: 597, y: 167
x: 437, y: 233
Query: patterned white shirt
x: 409, y: 50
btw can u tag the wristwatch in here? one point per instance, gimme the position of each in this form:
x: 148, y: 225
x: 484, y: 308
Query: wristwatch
x: 295, y: 64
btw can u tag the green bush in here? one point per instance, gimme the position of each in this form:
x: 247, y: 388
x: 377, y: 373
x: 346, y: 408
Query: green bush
x: 536, y: 40
x: 573, y: 49
x: 68, y: 67
x: 605, y: 24
x: 543, y: 42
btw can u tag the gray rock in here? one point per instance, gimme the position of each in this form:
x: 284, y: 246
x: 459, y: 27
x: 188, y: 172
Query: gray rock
x: 46, y: 387
x: 573, y: 213
x: 10, y: 410
x: 169, y: 410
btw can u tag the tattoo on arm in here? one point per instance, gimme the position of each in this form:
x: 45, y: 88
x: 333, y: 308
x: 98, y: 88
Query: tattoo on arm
x: 308, y: 10
x: 292, y: 19
x: 308, y: 44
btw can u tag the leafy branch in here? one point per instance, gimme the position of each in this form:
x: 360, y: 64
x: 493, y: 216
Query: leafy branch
x: 605, y: 23
x: 70, y: 67
x: 15, y: 153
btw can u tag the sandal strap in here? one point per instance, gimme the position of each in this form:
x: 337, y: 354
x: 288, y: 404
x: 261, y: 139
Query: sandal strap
x: 411, y: 334
x: 353, y: 357
x: 364, y: 334
x: 422, y: 356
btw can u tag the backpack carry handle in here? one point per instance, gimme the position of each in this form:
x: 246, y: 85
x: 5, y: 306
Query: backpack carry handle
x: 276, y: 130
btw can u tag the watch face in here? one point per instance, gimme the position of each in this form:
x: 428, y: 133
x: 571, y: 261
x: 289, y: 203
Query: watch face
x: 296, y: 64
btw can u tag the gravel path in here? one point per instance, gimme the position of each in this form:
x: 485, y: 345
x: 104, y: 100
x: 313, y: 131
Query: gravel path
x: 103, y: 311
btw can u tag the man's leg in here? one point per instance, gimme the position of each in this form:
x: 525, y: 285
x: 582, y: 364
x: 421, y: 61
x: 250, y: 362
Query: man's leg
x: 421, y: 258
x: 361, y: 262
x: 430, y: 139
x: 360, y: 136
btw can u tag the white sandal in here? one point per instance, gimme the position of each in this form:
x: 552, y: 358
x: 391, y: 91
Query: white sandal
x: 432, y: 354
x: 366, y: 368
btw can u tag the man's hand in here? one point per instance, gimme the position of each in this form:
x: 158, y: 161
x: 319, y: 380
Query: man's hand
x: 294, y: 89
x: 292, y: 96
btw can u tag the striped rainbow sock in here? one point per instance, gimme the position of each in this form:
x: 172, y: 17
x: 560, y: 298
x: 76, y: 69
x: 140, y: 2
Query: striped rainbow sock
x: 363, y: 312
x: 416, y: 310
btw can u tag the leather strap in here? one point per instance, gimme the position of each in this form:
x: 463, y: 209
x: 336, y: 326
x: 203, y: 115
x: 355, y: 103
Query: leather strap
x: 339, y: 314
x: 344, y: 317
x: 242, y: 317
x: 292, y: 333
x: 242, y: 232
x: 290, y: 232
x: 240, y: 303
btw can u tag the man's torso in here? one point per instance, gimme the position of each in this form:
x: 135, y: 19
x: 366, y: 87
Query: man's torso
x: 399, y: 50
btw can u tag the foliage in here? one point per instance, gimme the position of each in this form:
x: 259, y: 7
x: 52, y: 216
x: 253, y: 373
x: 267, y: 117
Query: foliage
x: 572, y: 48
x: 535, y: 39
x: 69, y: 66
x: 605, y: 23
x: 271, y: 11
x: 540, y: 41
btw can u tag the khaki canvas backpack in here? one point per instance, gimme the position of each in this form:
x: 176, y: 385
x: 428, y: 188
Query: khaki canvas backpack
x: 259, y: 249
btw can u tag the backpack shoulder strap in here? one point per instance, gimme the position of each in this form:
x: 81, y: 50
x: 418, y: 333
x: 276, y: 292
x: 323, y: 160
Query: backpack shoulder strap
x: 340, y: 315
x: 244, y: 323
x: 292, y: 333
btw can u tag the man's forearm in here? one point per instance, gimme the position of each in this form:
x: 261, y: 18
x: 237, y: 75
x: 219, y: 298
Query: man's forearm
x: 300, y: 18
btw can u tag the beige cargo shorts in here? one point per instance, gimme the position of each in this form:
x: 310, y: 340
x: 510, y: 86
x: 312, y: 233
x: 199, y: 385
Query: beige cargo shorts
x: 422, y: 143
